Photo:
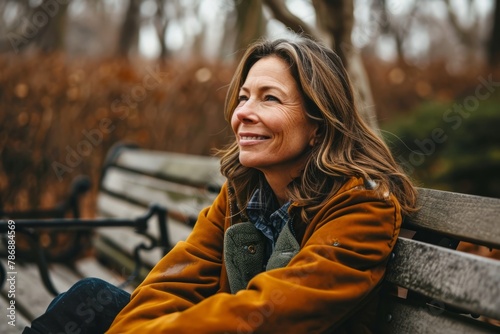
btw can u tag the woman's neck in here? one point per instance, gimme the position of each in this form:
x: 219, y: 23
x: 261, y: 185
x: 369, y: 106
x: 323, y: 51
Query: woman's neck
x: 279, y: 185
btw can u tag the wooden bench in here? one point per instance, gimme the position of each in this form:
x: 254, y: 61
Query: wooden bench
x: 442, y: 282
x: 435, y: 282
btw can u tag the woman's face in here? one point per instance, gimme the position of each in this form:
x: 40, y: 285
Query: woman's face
x: 270, y: 123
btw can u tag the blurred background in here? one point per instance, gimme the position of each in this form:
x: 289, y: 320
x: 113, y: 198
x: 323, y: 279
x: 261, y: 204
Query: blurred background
x: 77, y: 76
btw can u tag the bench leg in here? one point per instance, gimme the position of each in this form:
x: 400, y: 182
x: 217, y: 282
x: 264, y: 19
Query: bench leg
x: 41, y: 263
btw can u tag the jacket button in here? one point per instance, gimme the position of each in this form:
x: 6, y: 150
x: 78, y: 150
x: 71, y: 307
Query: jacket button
x: 252, y: 249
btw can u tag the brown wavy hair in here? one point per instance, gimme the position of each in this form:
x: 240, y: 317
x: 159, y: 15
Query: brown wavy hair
x: 346, y: 146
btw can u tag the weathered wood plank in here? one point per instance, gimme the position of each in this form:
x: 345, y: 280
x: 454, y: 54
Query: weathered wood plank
x: 465, y: 217
x: 117, y: 244
x: 116, y: 258
x: 145, y: 190
x: 400, y: 317
x: 32, y: 298
x: 182, y: 168
x: 125, y: 240
x: 20, y: 320
x: 110, y: 206
x: 465, y: 281
x: 90, y: 267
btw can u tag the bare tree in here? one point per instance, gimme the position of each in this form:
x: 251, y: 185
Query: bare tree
x: 250, y: 22
x: 42, y: 25
x: 129, y: 33
x: 52, y: 36
x: 285, y: 16
x: 390, y: 26
x: 334, y: 24
x: 160, y: 23
x: 494, y: 38
x: 467, y: 35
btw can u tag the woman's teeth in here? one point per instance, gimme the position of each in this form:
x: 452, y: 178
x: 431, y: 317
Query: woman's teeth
x: 253, y: 138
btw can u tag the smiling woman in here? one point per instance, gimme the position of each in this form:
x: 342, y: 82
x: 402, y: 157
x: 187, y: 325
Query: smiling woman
x: 299, y: 237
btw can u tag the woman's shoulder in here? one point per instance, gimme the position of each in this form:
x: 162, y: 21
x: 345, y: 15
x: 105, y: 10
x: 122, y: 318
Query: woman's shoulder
x: 358, y: 189
x: 359, y: 183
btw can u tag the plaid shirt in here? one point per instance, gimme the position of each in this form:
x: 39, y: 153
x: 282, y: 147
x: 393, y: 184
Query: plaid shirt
x: 263, y: 210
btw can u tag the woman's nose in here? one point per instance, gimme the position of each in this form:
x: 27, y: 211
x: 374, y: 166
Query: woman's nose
x: 246, y: 113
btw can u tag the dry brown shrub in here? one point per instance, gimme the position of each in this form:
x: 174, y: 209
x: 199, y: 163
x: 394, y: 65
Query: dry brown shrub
x: 51, y: 105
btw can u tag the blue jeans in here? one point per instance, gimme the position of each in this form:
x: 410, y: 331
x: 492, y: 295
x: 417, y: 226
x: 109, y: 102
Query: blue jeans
x: 89, y: 306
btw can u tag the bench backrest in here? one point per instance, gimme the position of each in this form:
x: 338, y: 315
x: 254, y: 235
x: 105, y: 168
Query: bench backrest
x: 133, y: 179
x: 441, y: 281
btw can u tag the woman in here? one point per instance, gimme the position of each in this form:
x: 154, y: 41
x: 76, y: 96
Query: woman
x: 298, y: 239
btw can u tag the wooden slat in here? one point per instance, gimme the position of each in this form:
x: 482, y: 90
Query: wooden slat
x: 20, y: 322
x: 465, y: 281
x: 116, y: 245
x: 32, y: 298
x: 400, y: 317
x: 116, y: 258
x: 146, y: 190
x: 462, y: 216
x: 90, y: 267
x: 183, y: 168
x: 110, y: 206
x: 125, y: 240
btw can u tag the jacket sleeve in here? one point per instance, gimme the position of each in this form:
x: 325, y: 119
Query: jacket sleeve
x: 342, y: 260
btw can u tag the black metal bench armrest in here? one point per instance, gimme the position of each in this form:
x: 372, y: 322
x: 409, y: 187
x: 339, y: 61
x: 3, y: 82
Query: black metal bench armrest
x: 27, y: 226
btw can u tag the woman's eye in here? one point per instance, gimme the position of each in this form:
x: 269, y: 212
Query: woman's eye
x: 242, y: 98
x: 271, y: 98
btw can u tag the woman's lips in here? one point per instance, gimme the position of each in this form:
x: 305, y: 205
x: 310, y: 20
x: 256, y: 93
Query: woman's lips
x: 251, y: 139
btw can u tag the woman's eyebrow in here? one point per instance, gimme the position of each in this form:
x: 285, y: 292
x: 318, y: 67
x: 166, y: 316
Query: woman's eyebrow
x: 264, y: 88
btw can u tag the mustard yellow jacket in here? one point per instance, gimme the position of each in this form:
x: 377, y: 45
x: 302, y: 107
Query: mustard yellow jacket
x: 330, y: 285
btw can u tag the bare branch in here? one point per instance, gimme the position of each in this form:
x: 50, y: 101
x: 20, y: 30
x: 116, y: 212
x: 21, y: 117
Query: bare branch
x: 463, y: 34
x: 282, y: 14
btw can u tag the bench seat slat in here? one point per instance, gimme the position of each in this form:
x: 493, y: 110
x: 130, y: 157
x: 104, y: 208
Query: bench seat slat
x: 146, y: 190
x: 31, y: 298
x: 90, y: 267
x: 463, y: 280
x: 110, y: 206
x: 21, y: 320
x: 462, y: 216
x: 402, y: 317
x: 182, y: 168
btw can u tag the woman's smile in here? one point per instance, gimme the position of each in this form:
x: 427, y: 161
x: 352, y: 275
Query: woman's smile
x: 246, y: 139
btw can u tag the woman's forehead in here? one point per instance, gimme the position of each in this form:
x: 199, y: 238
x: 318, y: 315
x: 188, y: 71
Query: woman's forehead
x: 270, y: 70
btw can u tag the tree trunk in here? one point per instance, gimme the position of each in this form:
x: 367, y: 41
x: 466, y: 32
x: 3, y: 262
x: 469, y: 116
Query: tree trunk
x: 52, y: 37
x: 282, y: 14
x: 494, y: 41
x: 160, y: 23
x: 129, y: 33
x: 335, y: 20
x: 43, y: 26
x: 250, y: 23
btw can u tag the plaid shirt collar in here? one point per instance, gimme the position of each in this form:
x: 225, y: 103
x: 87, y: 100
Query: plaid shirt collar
x: 263, y: 210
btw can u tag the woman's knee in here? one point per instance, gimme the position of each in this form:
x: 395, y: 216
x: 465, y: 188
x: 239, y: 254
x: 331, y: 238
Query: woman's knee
x: 101, y: 291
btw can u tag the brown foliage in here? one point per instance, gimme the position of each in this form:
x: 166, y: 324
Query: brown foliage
x: 59, y: 117
x: 399, y: 87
